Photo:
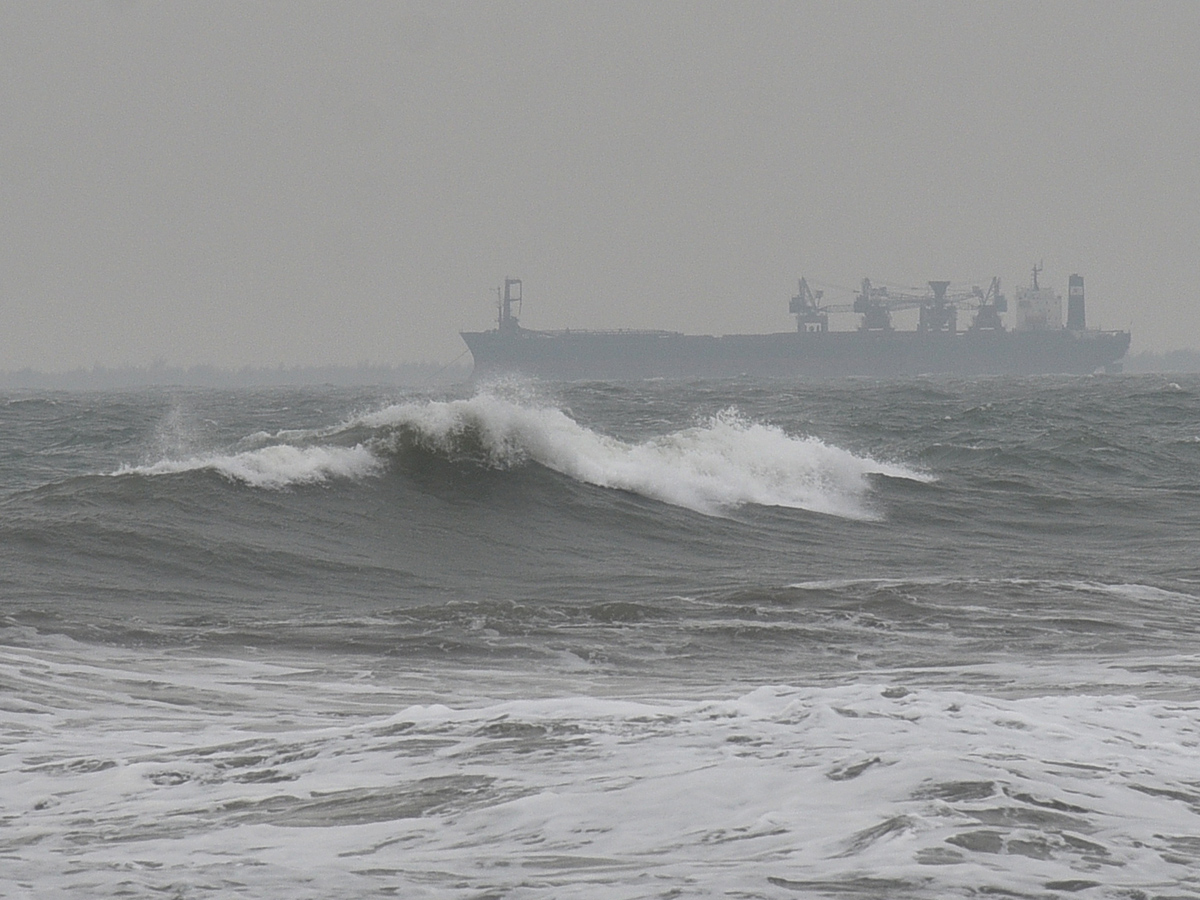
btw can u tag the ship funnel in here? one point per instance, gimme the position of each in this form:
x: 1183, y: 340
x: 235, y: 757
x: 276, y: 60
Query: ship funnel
x: 939, y: 291
x: 1075, y: 315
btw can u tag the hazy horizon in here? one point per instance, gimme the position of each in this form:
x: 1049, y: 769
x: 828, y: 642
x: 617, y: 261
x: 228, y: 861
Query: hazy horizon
x: 308, y: 184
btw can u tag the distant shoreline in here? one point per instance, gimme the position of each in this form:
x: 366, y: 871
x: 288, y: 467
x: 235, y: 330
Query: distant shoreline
x: 1171, y: 362
x: 102, y: 378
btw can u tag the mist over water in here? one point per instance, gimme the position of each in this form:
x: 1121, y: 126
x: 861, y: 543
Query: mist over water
x: 845, y: 638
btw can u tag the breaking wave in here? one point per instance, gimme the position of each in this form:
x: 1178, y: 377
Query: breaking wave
x: 276, y: 466
x: 722, y: 463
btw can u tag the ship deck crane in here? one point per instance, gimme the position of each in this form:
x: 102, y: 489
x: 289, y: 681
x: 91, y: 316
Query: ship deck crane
x: 938, y: 307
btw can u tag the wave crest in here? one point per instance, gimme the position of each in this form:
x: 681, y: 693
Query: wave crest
x: 720, y: 464
x: 713, y: 467
x: 276, y: 466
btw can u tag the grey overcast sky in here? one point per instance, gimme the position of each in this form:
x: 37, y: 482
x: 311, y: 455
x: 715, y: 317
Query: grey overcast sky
x: 315, y: 183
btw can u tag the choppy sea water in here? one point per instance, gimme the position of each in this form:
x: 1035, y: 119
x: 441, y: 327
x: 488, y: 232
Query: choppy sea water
x: 931, y: 638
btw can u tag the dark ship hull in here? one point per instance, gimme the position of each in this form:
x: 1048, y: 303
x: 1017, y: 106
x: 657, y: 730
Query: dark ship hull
x: 1038, y: 345
x: 629, y: 355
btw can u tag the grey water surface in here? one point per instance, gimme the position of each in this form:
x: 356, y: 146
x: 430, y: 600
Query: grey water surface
x: 842, y: 638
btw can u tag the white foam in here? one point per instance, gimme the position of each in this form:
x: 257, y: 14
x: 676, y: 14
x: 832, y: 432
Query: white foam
x: 276, y: 466
x: 287, y: 778
x: 721, y: 464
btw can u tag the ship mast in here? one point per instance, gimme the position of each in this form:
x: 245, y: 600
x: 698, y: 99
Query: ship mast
x: 505, y: 298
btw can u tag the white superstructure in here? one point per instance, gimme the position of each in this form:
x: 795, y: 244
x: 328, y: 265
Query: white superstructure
x: 1038, y: 309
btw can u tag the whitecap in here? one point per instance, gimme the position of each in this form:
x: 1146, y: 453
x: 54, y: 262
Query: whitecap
x: 725, y: 462
x: 276, y: 466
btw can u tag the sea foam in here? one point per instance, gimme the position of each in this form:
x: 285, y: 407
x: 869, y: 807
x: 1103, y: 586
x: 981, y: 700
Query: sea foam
x: 351, y: 787
x: 722, y: 463
x: 276, y: 466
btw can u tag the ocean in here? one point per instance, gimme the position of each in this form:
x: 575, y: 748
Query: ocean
x: 851, y: 639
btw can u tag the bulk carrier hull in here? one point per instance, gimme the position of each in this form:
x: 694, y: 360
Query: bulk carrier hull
x: 816, y: 352
x: 585, y: 356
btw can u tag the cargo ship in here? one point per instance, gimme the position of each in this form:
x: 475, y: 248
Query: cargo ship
x: 1037, y: 343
